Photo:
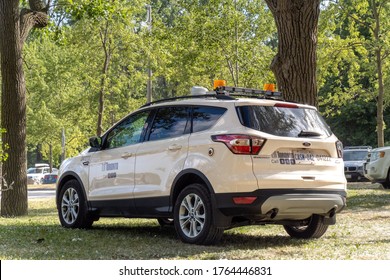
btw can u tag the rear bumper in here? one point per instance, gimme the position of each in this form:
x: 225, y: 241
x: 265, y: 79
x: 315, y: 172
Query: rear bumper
x: 352, y: 176
x: 282, y: 204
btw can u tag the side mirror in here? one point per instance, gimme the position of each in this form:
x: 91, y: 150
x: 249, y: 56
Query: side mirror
x: 95, y: 142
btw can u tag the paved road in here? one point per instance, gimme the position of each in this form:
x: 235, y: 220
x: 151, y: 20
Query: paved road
x: 40, y: 193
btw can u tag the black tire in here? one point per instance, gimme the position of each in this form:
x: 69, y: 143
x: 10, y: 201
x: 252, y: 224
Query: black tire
x: 193, y: 216
x: 386, y: 184
x: 314, y: 229
x: 165, y: 222
x: 72, y: 206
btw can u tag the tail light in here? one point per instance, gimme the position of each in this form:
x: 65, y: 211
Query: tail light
x: 241, y: 144
x: 339, y: 148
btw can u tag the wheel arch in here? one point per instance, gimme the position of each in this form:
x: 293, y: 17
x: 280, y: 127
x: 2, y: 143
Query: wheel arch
x: 185, y: 178
x: 66, y: 177
x: 190, y: 176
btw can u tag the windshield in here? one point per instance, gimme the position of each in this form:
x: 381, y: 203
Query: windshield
x: 35, y: 171
x: 354, y: 155
x: 284, y: 121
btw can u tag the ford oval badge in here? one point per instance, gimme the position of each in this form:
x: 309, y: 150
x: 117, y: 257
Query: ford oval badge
x: 306, y: 144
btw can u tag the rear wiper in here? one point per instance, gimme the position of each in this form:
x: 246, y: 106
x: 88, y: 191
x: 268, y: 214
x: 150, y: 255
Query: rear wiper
x: 306, y: 133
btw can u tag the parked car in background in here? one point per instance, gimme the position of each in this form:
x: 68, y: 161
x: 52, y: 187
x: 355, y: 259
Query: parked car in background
x: 51, y: 178
x: 354, y: 158
x: 35, y: 175
x: 377, y: 167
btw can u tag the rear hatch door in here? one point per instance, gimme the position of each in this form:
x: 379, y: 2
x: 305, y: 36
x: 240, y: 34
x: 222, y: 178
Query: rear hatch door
x: 300, y: 150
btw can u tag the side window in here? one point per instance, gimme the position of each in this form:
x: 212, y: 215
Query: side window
x: 169, y: 122
x: 128, y: 132
x: 205, y: 117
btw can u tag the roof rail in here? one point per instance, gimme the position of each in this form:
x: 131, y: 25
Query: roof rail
x: 226, y: 93
x: 216, y: 96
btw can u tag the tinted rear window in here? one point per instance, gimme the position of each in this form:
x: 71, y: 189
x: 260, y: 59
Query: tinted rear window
x: 205, y: 117
x: 170, y: 122
x: 281, y: 121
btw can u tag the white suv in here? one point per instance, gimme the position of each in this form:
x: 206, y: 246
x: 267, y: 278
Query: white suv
x: 36, y: 174
x: 377, y: 167
x: 207, y: 163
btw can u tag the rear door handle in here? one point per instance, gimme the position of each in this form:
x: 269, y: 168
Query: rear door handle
x: 174, y: 147
x: 126, y: 155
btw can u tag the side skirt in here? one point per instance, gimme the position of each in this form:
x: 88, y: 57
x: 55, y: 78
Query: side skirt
x: 152, y: 207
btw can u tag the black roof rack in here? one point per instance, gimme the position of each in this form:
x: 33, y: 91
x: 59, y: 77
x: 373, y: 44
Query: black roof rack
x: 226, y: 93
x: 248, y: 92
x: 216, y: 96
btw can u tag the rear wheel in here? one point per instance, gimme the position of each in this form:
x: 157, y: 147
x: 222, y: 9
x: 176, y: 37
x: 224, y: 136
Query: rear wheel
x: 72, y: 206
x: 193, y: 216
x: 315, y: 228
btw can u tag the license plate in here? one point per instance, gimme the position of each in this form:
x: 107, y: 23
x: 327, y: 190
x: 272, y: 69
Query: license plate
x: 300, y: 157
x: 348, y: 176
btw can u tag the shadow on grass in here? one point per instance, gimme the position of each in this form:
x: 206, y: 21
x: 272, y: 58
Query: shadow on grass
x: 46, y: 211
x: 143, y: 239
x: 129, y: 241
x: 229, y: 238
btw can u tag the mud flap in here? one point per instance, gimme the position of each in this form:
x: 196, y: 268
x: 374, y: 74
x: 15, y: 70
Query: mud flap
x: 330, y: 220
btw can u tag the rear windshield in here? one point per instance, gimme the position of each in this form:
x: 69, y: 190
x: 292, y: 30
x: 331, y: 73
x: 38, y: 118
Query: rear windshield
x: 282, y: 121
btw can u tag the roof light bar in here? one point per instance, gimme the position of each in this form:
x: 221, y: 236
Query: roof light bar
x: 250, y: 91
x: 269, y: 87
x: 219, y: 83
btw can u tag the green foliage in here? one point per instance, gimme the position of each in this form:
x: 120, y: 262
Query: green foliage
x: 215, y: 40
x: 190, y: 43
x: 347, y: 67
x: 3, y: 148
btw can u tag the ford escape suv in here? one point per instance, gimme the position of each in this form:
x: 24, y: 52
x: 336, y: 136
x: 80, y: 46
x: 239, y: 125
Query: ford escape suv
x: 209, y: 162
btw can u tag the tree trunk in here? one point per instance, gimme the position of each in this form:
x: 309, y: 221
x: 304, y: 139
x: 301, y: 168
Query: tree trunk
x: 379, y: 113
x: 14, y: 28
x: 379, y: 70
x: 107, y: 57
x: 13, y: 111
x: 295, y: 63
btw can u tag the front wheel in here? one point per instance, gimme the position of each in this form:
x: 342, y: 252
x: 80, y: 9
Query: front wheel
x: 315, y: 228
x: 386, y: 184
x: 72, y: 206
x: 193, y: 216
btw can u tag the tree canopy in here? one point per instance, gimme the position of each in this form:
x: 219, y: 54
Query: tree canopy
x: 89, y: 66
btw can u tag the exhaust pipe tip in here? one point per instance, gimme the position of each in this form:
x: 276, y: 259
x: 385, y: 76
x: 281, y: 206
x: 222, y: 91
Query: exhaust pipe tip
x: 332, y: 212
x: 272, y: 213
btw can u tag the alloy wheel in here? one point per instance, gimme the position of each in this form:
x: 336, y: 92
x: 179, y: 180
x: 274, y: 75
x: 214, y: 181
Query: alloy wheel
x: 192, y: 216
x: 70, y: 206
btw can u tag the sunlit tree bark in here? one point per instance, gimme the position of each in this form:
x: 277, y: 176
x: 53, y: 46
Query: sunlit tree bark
x: 15, y: 25
x: 294, y: 65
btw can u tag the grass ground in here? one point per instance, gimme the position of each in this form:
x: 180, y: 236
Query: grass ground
x: 362, y: 232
